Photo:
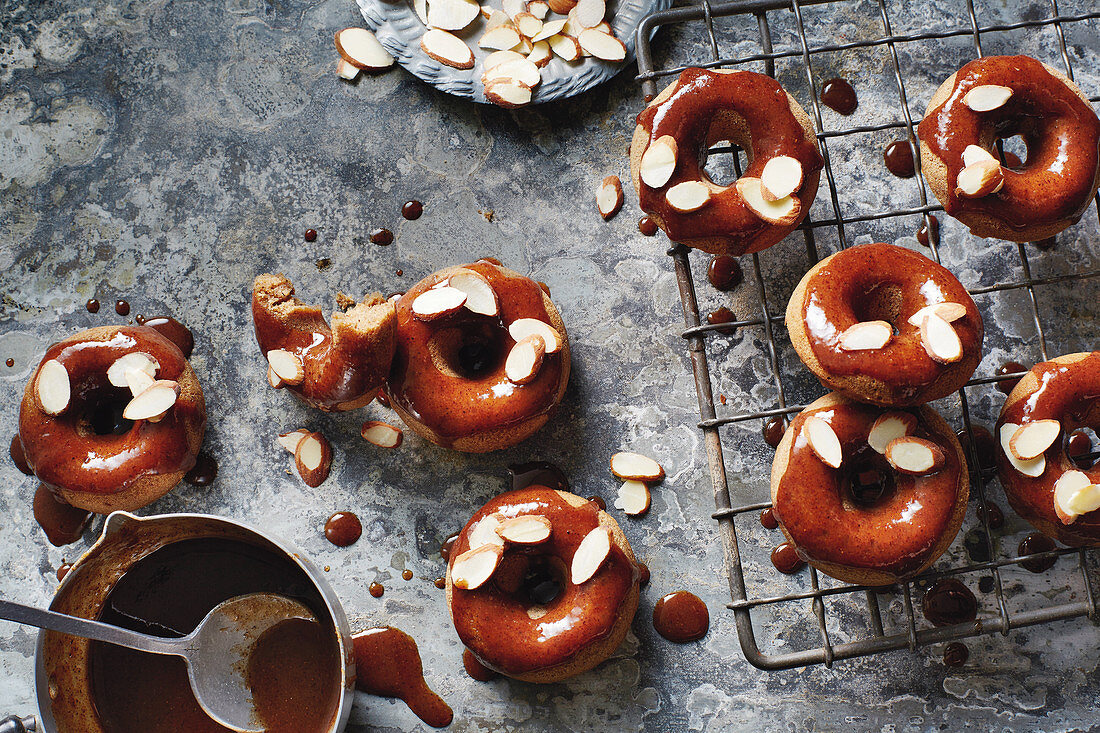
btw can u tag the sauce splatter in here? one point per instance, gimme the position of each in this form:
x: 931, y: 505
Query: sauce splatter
x: 681, y: 617
x: 388, y: 664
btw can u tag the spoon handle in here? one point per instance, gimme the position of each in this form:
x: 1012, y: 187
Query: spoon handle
x: 88, y: 629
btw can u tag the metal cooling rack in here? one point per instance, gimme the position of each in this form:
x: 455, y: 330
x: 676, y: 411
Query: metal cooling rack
x: 771, y: 315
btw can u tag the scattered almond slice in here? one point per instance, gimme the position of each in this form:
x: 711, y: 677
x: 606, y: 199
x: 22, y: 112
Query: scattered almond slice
x: 447, y: 48
x: 602, y: 45
x: 782, y: 176
x: 521, y: 70
x: 51, y: 388
x: 549, y: 29
x: 495, y: 18
x: 508, y: 93
x: 521, y: 328
x: 590, y: 555
x: 783, y: 212
x: 499, y: 57
x: 949, y: 312
x: 538, y: 9
x: 605, y: 27
x: 480, y: 297
x: 438, y: 302
x: 502, y: 38
x: 360, y: 48
x: 381, y: 434
x: 688, y: 196
x: 529, y: 26
x: 980, y: 179
x: 914, y: 456
x: 823, y: 441
x: 1075, y: 494
x: 975, y: 153
x: 485, y: 531
x: 541, y: 54
x: 986, y: 97
x: 524, y: 46
x: 346, y: 71
x: 658, y: 162
x: 289, y: 441
x: 633, y: 498
x: 1033, y: 468
x: 1032, y: 439
x: 153, y: 402
x: 452, y: 15
x: 636, y: 467
x: 420, y: 7
x: 135, y: 360
x: 313, y: 458
x: 525, y: 359
x: 513, y: 7
x: 889, y: 426
x: 589, y: 13
x: 566, y: 47
x: 939, y: 339
x: 287, y: 366
x: 866, y: 335
x: 138, y: 381
x: 472, y: 568
x: 609, y: 197
x: 526, y: 529
x: 562, y: 6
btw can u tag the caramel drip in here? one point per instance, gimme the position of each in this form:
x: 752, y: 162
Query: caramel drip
x: 387, y: 664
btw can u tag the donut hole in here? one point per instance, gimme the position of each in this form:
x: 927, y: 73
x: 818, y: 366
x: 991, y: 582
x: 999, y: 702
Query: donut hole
x: 98, y: 407
x: 728, y: 149
x: 470, y: 351
x: 868, y: 480
x: 1083, y: 447
x: 882, y: 302
x: 1014, y: 151
x: 534, y: 580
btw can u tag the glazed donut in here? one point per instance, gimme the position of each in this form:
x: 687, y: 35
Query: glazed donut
x: 529, y: 620
x: 449, y: 380
x: 857, y: 321
x: 85, y: 450
x: 332, y: 369
x: 881, y: 514
x: 998, y: 97
x: 1052, y: 400
x: 753, y: 112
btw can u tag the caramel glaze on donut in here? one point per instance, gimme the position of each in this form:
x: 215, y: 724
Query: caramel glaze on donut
x: 1066, y: 389
x: 1061, y: 131
x: 104, y: 471
x: 881, y: 282
x: 580, y: 628
x: 875, y: 543
x: 432, y: 392
x: 702, y: 108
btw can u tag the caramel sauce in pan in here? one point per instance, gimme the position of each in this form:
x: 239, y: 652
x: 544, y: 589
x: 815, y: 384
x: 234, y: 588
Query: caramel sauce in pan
x: 174, y: 331
x: 18, y: 457
x: 476, y: 669
x: 290, y: 675
x: 203, y: 472
x: 838, y: 94
x: 948, y: 601
x: 538, y: 473
x: 387, y: 664
x: 1060, y: 130
x: 681, y: 617
x: 343, y: 529
x: 63, y: 524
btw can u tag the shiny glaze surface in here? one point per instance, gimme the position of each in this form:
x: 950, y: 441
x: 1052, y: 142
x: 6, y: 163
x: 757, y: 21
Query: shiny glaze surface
x: 457, y: 405
x: 838, y: 94
x: 897, y: 532
x: 387, y: 664
x: 699, y: 97
x: 495, y: 625
x: 174, y: 331
x: 1061, y: 132
x: 948, y: 601
x: 65, y: 452
x: 681, y: 617
x: 63, y: 523
x: 834, y: 300
x: 343, y: 528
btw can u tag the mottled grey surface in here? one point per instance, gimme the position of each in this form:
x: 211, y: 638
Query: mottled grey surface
x: 166, y: 152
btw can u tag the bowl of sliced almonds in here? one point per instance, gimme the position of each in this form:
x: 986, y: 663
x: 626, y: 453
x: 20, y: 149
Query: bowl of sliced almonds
x: 506, y: 52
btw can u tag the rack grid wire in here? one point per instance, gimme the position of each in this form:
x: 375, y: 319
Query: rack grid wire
x: 696, y: 332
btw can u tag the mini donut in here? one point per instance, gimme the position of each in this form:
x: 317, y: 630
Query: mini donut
x: 340, y: 368
x: 448, y: 381
x: 890, y: 287
x: 869, y: 521
x: 752, y: 111
x: 529, y: 620
x: 1065, y: 394
x: 88, y: 454
x: 1019, y: 96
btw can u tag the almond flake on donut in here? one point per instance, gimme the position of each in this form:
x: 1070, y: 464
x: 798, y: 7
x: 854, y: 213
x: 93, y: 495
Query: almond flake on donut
x: 313, y: 458
x: 949, y: 312
x: 980, y: 179
x: 609, y: 197
x: 153, y: 402
x: 485, y: 531
x: 635, y: 466
x: 289, y: 441
x: 452, y: 15
x: 525, y: 359
x: 974, y: 153
x: 939, y: 339
x: 438, y: 302
x: 508, y: 93
x: 564, y: 46
x: 602, y: 45
x: 688, y: 196
x: 823, y: 441
x: 526, y: 529
x: 914, y: 456
x: 480, y: 297
x: 987, y: 97
x: 381, y: 434
x: 51, y: 389
x: 540, y: 54
x: 287, y: 366
x: 139, y: 360
x: 550, y: 29
x: 1075, y: 494
x: 501, y: 38
x: 658, y: 162
x: 782, y: 176
x: 888, y: 427
x: 634, y: 498
x: 590, y: 555
x: 472, y: 568
x: 1032, y: 439
x: 783, y: 212
x: 138, y: 381
x: 360, y: 48
x: 447, y: 48
x: 866, y: 336
x: 273, y: 378
x: 1033, y: 468
x: 521, y: 328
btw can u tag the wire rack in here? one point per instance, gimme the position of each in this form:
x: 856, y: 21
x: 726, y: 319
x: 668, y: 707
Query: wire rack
x: 699, y: 19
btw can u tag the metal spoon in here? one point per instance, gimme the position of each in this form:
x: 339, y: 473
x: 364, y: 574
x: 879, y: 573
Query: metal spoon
x: 216, y: 652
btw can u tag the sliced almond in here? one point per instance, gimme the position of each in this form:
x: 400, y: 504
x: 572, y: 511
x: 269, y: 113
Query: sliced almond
x: 541, y: 54
x: 438, y: 302
x: 609, y: 197
x: 823, y: 441
x: 980, y: 179
x: 502, y: 37
x: 1032, y: 439
x: 589, y: 13
x: 485, y: 531
x: 51, y: 388
x: 471, y: 569
x: 939, y: 339
x: 782, y: 176
x: 605, y: 27
x: 524, y: 46
x: 153, y: 402
x: 287, y: 365
x: 360, y: 48
x: 521, y: 70
x: 495, y: 18
x: 135, y: 360
x: 447, y: 48
x: 550, y: 28
x: 866, y: 336
x: 521, y: 328
x: 1075, y: 494
x: 527, y: 529
x: 138, y: 381
x: 783, y: 212
x: 949, y: 312
x: 688, y: 196
x: 538, y: 9
x: 529, y: 26
x: 499, y: 57
x: 381, y: 434
x: 566, y: 47
x: 633, y: 498
x: 561, y: 6
x: 636, y: 467
x: 590, y: 554
x: 313, y: 458
x: 525, y: 359
x: 986, y: 97
x: 658, y: 162
x: 890, y: 426
x: 346, y: 71
x: 289, y: 441
x: 480, y: 297
x: 914, y: 456
x: 513, y: 7
x: 420, y: 7
x: 452, y: 15
x: 602, y: 45
x: 273, y: 378
x: 1033, y: 468
x: 975, y: 153
x: 508, y: 93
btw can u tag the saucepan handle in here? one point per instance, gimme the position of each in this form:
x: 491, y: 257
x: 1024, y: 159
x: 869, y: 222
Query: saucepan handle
x: 15, y: 724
